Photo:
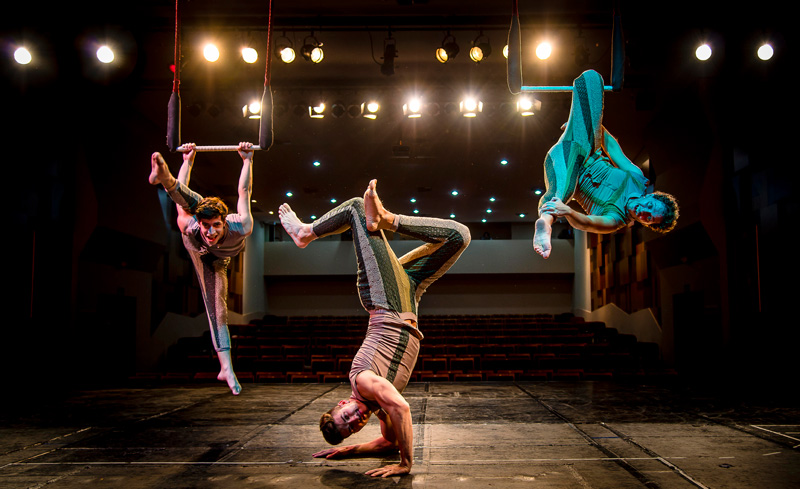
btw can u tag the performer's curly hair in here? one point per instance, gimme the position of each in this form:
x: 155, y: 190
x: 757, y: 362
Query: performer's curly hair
x: 670, y: 219
x: 328, y: 428
x: 211, y: 207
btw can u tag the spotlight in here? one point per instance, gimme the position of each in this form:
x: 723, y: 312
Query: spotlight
x: 703, y: 52
x: 413, y: 109
x: 249, y: 55
x: 389, y: 54
x: 22, y: 56
x: 544, y: 50
x: 470, y: 107
x: 448, y: 49
x: 527, y: 106
x: 284, y: 49
x: 105, y: 54
x: 312, y: 49
x: 480, y: 49
x: 252, y: 110
x: 317, y: 111
x: 211, y: 53
x: 370, y: 110
x: 765, y: 52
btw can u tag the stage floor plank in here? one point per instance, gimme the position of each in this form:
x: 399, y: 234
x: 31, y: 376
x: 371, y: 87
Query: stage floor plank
x: 505, y: 435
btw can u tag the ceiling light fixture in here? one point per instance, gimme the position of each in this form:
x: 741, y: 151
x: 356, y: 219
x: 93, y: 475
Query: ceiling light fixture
x: 312, y: 49
x: 284, y: 49
x: 481, y: 49
x: 369, y: 110
x: 448, y: 49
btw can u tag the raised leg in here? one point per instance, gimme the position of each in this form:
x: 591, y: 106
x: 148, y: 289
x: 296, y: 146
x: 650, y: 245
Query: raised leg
x: 563, y: 163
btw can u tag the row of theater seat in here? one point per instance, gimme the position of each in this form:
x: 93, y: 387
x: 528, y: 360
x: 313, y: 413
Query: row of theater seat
x: 455, y: 348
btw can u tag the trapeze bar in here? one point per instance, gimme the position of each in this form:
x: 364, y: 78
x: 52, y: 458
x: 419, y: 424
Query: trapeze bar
x: 556, y: 88
x: 210, y: 149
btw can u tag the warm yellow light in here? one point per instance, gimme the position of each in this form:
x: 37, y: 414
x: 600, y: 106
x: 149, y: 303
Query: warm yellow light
x: 544, y: 50
x: 249, y: 55
x: 505, y: 51
x: 287, y: 54
x: 210, y: 52
x: 765, y: 52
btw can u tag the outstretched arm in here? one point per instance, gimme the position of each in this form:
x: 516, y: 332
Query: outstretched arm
x: 614, y: 151
x: 185, y: 173
x: 378, y: 445
x: 579, y: 220
x: 246, y: 187
x: 397, y: 427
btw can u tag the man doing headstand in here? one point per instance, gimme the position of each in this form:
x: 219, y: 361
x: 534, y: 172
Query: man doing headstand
x: 587, y: 164
x: 211, y: 236
x: 390, y: 289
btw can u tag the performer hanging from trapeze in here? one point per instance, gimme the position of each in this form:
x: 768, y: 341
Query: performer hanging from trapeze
x: 588, y: 165
x: 389, y: 289
x: 212, y: 237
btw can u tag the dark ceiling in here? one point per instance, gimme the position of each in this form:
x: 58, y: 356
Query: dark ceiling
x: 425, y: 158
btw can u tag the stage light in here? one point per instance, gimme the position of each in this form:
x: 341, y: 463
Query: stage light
x: 765, y: 52
x: 413, y: 200
x: 210, y: 52
x: 370, y: 110
x: 317, y: 111
x: 538, y: 191
x: 105, y: 54
x: 289, y: 193
x: 521, y: 215
x: 316, y: 163
x: 489, y: 211
x: 252, y: 110
x: 492, y: 199
x: 312, y: 50
x: 452, y: 216
x: 284, y: 49
x: 333, y: 201
x: 389, y: 54
x: 505, y: 51
x: 480, y: 49
x: 527, y: 106
x: 416, y: 211
x: 448, y: 50
x: 454, y: 193
x: 544, y: 50
x: 22, y: 56
x: 470, y: 107
x: 703, y: 52
x: 413, y: 109
x: 504, y: 162
x: 249, y: 55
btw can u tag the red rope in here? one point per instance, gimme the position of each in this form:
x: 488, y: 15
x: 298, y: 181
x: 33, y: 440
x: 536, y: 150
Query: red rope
x: 176, y: 81
x: 269, y: 51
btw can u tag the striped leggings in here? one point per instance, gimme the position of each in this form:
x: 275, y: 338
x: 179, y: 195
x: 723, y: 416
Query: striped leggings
x: 580, y: 139
x: 385, y: 281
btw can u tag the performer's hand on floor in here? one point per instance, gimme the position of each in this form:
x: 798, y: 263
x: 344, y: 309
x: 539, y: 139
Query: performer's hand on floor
x: 389, y: 470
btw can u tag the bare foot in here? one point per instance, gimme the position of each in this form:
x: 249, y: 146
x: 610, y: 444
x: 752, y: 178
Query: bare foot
x: 377, y: 216
x: 230, y: 377
x: 301, y: 233
x: 226, y: 373
x: 541, y: 238
x: 159, y: 171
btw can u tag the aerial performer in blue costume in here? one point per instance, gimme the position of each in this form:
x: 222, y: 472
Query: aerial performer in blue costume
x: 588, y: 165
x: 390, y: 289
x: 212, y: 237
